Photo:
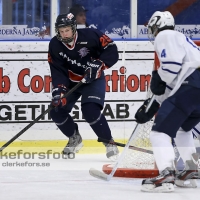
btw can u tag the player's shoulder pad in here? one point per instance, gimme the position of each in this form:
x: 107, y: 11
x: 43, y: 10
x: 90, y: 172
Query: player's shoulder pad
x: 169, y: 35
x: 54, y: 42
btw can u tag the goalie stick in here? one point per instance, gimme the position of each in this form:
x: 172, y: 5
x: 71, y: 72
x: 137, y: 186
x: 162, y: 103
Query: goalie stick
x: 123, y: 145
x: 40, y: 116
x: 107, y: 177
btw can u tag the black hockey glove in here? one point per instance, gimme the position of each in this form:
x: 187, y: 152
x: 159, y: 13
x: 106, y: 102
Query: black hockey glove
x: 157, y: 85
x: 141, y: 116
x: 93, y: 70
x: 57, y: 93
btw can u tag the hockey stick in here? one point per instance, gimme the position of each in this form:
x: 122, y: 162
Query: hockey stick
x: 107, y: 177
x: 40, y: 116
x: 123, y: 145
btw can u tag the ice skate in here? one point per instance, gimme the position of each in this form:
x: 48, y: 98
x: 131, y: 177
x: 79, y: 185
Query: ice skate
x: 162, y: 183
x: 74, y: 144
x: 112, y: 151
x: 186, y: 178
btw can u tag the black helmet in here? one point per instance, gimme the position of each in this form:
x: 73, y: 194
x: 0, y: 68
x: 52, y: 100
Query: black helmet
x: 65, y: 20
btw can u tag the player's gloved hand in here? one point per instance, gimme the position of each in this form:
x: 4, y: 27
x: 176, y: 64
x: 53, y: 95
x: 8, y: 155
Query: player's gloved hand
x: 57, y: 93
x: 157, y: 85
x: 93, y: 70
x: 141, y: 116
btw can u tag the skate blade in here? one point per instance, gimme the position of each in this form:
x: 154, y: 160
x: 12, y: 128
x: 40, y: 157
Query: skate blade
x: 75, y: 150
x: 113, y: 158
x: 190, y: 183
x: 164, y: 188
x: 78, y: 147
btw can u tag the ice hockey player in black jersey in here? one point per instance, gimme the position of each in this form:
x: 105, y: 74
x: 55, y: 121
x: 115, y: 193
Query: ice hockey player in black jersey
x: 74, y: 54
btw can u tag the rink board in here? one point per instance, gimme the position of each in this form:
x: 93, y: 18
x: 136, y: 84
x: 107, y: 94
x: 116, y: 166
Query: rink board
x: 25, y: 87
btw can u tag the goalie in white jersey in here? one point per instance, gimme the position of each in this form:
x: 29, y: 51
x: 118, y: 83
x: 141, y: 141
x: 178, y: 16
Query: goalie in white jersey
x: 176, y: 85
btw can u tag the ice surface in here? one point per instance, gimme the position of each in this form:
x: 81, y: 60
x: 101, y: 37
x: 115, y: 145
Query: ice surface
x: 73, y: 182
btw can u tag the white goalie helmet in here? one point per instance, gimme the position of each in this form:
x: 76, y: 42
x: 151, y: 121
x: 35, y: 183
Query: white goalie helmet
x: 160, y: 21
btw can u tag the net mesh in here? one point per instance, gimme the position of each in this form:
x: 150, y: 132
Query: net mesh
x: 139, y: 160
x: 135, y: 161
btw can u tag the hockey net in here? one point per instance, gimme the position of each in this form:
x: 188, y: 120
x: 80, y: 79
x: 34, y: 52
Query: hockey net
x: 138, y: 164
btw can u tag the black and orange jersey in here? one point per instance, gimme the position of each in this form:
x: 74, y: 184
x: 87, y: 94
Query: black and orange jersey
x: 68, y: 63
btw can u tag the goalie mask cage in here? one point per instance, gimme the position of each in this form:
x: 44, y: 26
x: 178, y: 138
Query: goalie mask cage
x: 137, y: 164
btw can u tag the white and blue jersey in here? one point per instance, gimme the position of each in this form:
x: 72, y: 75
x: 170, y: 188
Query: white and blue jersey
x: 179, y: 57
x: 180, y: 104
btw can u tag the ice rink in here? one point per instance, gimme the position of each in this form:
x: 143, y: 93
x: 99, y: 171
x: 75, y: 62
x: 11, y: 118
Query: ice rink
x: 70, y: 179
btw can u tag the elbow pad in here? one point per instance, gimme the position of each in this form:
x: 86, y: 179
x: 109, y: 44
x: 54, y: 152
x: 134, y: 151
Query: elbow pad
x: 157, y: 86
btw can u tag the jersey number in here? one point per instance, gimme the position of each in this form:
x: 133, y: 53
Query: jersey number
x: 163, y: 53
x: 105, y: 40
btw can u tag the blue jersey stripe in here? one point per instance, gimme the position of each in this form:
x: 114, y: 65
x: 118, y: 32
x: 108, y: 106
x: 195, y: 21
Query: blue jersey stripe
x: 170, y: 88
x: 169, y: 71
x: 175, y: 63
x: 196, y: 130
